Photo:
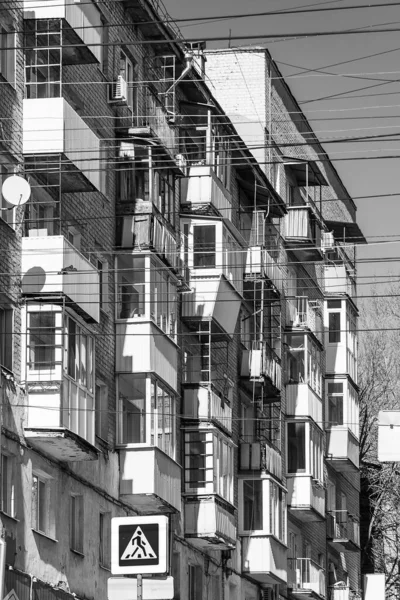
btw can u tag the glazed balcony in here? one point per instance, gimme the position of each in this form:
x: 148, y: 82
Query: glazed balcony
x: 342, y: 450
x: 54, y: 133
x: 338, y: 280
x: 306, y: 498
x: 341, y: 359
x: 343, y: 530
x: 210, y: 523
x: 302, y: 401
x: 260, y: 457
x: 80, y: 27
x: 202, y: 403
x: 302, y: 233
x: 148, y: 230
x: 304, y: 313
x: 150, y: 480
x: 203, y: 187
x: 52, y: 266
x: 156, y: 353
x: 260, y: 362
x: 264, y: 559
x: 306, y: 579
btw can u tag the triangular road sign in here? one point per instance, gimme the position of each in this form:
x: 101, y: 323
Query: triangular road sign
x: 138, y: 547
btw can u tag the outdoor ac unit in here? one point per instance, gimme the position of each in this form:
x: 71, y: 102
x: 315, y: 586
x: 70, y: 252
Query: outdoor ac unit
x: 327, y: 240
x: 119, y: 91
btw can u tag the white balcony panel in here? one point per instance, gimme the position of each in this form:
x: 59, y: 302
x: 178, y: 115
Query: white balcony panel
x: 341, y: 592
x: 302, y: 401
x: 51, y: 265
x: 342, y: 449
x: 204, y: 187
x: 306, y: 497
x: 340, y: 359
x: 203, y: 403
x: 338, y: 281
x: 51, y: 126
x: 141, y: 347
x: 208, y: 522
x: 82, y: 16
x: 306, y: 578
x: 149, y: 479
x: 212, y: 299
x: 264, y: 558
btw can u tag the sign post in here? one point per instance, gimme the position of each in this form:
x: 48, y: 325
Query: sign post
x: 139, y: 587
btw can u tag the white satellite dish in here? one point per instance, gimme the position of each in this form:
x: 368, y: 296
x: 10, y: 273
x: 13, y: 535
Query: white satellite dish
x: 16, y: 190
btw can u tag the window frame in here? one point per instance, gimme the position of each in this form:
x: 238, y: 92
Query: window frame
x: 309, y: 368
x: 8, y: 55
x: 272, y: 509
x: 7, y: 338
x: 105, y: 540
x: 46, y: 481
x: 313, y: 450
x: 8, y: 504
x: 127, y: 70
x: 76, y: 540
x: 101, y: 410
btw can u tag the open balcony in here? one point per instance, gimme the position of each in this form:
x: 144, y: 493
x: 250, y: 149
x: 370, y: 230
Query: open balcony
x: 80, y: 27
x: 260, y: 457
x: 149, y: 480
x: 303, y: 313
x: 213, y: 300
x: 302, y: 401
x: 210, y: 523
x: 342, y: 450
x: 56, y: 139
x: 260, y: 263
x: 264, y: 559
x: 52, y: 266
x: 338, y: 592
x: 306, y: 579
x: 148, y: 230
x: 306, y: 498
x: 261, y: 362
x: 202, y: 403
x: 343, y: 530
x: 203, y: 188
x: 302, y: 233
x: 155, y: 353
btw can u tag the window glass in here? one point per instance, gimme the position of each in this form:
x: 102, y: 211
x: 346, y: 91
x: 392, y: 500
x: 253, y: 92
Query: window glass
x: 335, y: 403
x: 39, y: 504
x: 197, y: 448
x: 7, y: 485
x: 76, y: 525
x: 296, y: 447
x: 132, y: 396
x: 334, y: 327
x: 6, y: 338
x: 101, y: 404
x: 204, y: 251
x: 131, y: 287
x: 42, y: 340
x: 296, y: 358
x: 252, y: 505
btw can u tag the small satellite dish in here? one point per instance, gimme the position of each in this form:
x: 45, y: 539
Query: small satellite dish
x: 16, y: 190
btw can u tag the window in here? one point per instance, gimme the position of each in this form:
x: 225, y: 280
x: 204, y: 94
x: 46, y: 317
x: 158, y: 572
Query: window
x: 105, y: 540
x: 304, y: 361
x: 7, y: 485
x: 43, y: 59
x: 74, y: 237
x: 42, y: 340
x: 133, y: 178
x: 296, y: 447
x: 147, y: 412
x: 277, y: 511
x: 334, y: 321
x: 209, y: 464
x: 6, y: 338
x: 102, y: 267
x: 76, y: 524
x: 204, y: 246
x: 101, y: 404
x: 222, y: 160
x: 7, y: 55
x: 335, y: 403
x: 164, y: 194
x: 252, y: 505
x: 195, y: 582
x: 40, y: 504
x: 128, y: 71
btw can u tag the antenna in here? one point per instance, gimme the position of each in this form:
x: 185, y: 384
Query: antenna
x: 16, y: 191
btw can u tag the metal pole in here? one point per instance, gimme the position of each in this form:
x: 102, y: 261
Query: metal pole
x: 139, y: 587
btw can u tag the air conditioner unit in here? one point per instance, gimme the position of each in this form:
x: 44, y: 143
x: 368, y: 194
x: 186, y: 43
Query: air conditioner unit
x: 327, y: 240
x: 119, y: 91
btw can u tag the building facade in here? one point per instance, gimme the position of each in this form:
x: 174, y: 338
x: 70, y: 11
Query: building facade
x: 178, y: 314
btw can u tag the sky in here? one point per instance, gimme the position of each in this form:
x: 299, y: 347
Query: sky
x: 361, y: 113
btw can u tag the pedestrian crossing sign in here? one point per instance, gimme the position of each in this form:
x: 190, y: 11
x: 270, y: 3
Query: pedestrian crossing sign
x: 139, y: 545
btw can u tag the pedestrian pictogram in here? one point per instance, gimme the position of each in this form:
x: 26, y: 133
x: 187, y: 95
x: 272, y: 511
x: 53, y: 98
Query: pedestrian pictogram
x: 139, y: 547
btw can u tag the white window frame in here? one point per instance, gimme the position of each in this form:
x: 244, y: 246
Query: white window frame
x: 128, y: 71
x: 314, y: 452
x: 46, y: 481
x: 273, y: 509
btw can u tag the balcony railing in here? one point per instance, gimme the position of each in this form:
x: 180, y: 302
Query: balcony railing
x: 305, y: 313
x: 343, y: 528
x: 260, y: 456
x: 338, y: 280
x: 306, y: 497
x: 204, y: 187
x: 51, y: 265
x: 210, y: 523
x: 305, y: 575
x: 260, y: 263
x: 301, y: 230
x: 342, y: 449
x: 261, y: 361
x: 264, y: 558
x: 338, y: 593
x: 149, y: 230
x: 201, y: 402
x: 302, y: 401
x: 149, y: 478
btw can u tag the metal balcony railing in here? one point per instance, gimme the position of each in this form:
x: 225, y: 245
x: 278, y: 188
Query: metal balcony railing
x: 305, y: 574
x: 343, y: 526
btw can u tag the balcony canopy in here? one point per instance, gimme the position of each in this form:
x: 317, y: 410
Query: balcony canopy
x: 306, y: 172
x: 345, y: 231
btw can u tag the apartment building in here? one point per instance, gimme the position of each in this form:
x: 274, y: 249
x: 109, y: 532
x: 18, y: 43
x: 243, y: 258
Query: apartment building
x: 178, y: 328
